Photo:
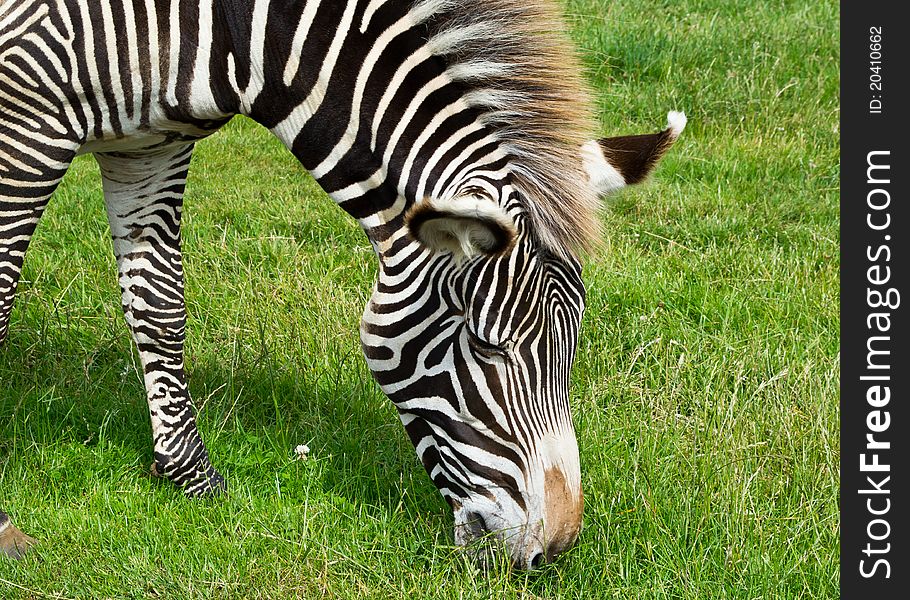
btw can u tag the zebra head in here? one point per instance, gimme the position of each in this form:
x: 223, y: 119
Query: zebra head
x: 472, y: 331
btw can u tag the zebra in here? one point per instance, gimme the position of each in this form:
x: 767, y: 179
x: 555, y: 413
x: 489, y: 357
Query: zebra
x: 458, y: 133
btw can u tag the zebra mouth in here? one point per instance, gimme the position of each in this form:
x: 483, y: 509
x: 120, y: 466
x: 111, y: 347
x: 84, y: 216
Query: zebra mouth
x: 476, y: 525
x: 480, y: 541
x: 471, y: 528
x: 488, y: 546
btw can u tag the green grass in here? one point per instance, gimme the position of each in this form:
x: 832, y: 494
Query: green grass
x: 705, y: 392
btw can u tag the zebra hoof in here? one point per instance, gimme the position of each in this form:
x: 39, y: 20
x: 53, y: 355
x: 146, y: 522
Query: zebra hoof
x: 204, y: 483
x: 207, y: 485
x: 14, y: 543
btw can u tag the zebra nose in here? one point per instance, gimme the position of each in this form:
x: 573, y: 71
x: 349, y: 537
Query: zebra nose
x: 532, y: 560
x: 560, y: 544
x: 537, y: 555
x: 565, y: 505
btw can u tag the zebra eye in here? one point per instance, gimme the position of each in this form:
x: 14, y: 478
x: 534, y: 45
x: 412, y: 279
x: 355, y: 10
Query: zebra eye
x: 484, y: 347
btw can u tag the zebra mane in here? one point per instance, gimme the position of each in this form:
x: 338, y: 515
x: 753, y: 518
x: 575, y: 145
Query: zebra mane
x: 524, y: 76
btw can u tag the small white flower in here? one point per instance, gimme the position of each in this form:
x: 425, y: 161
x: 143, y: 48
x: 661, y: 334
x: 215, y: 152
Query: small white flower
x: 302, y: 451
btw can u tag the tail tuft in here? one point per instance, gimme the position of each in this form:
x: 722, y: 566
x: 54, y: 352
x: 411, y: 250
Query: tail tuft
x: 676, y: 122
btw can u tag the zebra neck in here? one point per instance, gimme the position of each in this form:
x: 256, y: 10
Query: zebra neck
x: 355, y: 92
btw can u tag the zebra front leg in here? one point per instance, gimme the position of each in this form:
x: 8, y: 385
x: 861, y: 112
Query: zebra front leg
x: 13, y: 543
x: 143, y: 193
x: 31, y: 167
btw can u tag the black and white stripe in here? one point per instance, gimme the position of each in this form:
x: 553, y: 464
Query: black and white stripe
x: 453, y: 130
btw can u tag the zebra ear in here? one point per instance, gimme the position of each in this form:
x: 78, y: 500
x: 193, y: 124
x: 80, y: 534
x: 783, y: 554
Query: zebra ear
x: 616, y: 162
x: 465, y: 226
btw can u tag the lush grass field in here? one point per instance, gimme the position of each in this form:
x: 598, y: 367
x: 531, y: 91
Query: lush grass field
x: 705, y: 391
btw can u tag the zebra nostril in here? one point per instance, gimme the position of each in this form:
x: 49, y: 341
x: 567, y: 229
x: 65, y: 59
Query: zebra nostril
x: 537, y: 560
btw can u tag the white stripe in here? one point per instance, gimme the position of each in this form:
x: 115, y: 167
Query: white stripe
x: 173, y: 52
x: 369, y: 64
x: 288, y: 129
x: 431, y: 127
x: 459, y: 162
x: 94, y: 81
x: 201, y: 86
x: 151, y: 16
x: 300, y: 37
x: 112, y: 55
x: 257, y: 54
x: 371, y: 9
x: 416, y: 103
x: 356, y: 190
x: 447, y: 145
